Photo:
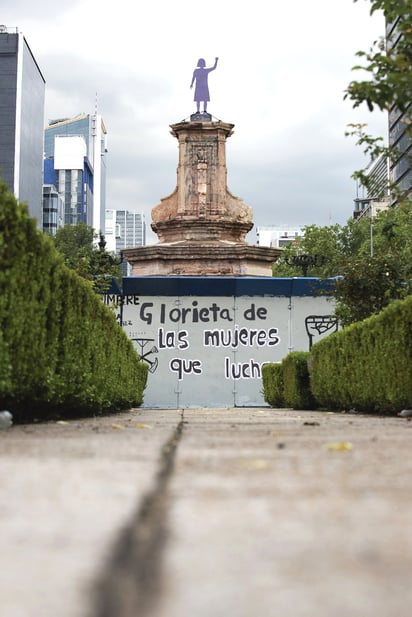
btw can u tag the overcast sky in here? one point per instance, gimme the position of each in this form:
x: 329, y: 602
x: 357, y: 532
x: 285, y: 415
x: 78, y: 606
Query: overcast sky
x: 283, y: 68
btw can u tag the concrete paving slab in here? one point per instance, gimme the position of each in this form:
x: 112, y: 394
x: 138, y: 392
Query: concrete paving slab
x: 266, y: 520
x: 66, y: 492
x: 257, y: 511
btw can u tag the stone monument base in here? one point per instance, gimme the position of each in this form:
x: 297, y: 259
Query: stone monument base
x: 217, y: 258
x: 201, y: 225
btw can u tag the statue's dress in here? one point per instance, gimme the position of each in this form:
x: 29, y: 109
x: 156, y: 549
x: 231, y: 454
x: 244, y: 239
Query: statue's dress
x: 202, y: 88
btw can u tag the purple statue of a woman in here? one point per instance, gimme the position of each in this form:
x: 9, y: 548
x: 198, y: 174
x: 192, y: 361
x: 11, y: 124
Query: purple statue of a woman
x: 200, y: 75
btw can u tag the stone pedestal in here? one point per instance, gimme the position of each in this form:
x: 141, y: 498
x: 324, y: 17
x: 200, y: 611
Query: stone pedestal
x: 201, y: 259
x: 201, y: 226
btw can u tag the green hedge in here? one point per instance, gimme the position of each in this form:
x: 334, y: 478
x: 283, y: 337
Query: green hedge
x: 296, y: 384
x: 368, y: 365
x: 61, y: 349
x: 272, y: 382
x: 287, y: 384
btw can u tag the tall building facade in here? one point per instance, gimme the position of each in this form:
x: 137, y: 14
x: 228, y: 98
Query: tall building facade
x: 400, y: 136
x: 124, y: 229
x: 53, y: 211
x: 377, y: 196
x: 384, y: 173
x: 277, y: 236
x: 75, y: 151
x: 22, y: 92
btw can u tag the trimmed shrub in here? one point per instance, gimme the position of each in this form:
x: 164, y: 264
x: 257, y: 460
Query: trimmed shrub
x: 272, y: 381
x: 287, y: 384
x: 368, y: 365
x: 296, y: 385
x: 61, y: 349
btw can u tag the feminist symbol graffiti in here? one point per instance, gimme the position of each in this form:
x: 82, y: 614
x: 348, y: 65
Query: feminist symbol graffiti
x: 144, y: 355
x: 319, y: 324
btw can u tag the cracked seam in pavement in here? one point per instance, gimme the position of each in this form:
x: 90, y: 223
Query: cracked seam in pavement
x: 131, y: 579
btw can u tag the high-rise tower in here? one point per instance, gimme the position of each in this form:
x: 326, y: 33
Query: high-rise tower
x: 124, y: 229
x: 75, y: 162
x: 399, y: 130
x: 22, y: 88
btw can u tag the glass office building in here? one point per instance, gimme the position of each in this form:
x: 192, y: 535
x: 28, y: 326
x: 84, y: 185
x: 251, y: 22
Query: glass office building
x: 53, y: 213
x: 124, y: 229
x: 70, y: 171
x: 22, y: 92
x: 399, y: 132
x: 75, y: 163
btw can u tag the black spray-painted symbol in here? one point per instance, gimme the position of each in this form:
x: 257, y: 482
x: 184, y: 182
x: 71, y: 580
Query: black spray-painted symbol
x: 316, y: 325
x: 144, y: 353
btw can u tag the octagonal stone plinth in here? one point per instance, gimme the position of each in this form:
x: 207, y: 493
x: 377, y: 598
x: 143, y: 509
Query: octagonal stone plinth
x: 201, y: 226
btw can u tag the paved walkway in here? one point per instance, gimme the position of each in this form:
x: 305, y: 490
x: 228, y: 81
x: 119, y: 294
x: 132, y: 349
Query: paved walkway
x: 207, y: 513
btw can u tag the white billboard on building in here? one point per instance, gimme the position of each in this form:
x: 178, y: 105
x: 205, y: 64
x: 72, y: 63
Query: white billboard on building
x: 69, y: 151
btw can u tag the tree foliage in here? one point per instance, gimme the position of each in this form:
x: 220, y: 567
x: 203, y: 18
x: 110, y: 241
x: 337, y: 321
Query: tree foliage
x: 76, y: 243
x: 388, y: 81
x: 388, y: 67
x: 372, y: 259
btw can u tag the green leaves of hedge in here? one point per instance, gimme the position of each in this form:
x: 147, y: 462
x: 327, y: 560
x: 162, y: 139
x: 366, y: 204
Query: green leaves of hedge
x: 368, y: 365
x: 61, y: 349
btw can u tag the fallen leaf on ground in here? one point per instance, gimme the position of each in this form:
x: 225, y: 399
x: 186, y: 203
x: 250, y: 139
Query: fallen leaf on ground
x: 118, y: 427
x: 339, y: 446
x: 276, y: 434
x: 140, y: 425
x: 257, y: 464
x: 61, y: 422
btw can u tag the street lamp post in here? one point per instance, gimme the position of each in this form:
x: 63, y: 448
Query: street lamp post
x: 305, y: 261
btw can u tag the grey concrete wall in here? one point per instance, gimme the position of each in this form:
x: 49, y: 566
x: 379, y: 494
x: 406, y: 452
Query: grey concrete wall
x: 208, y: 350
